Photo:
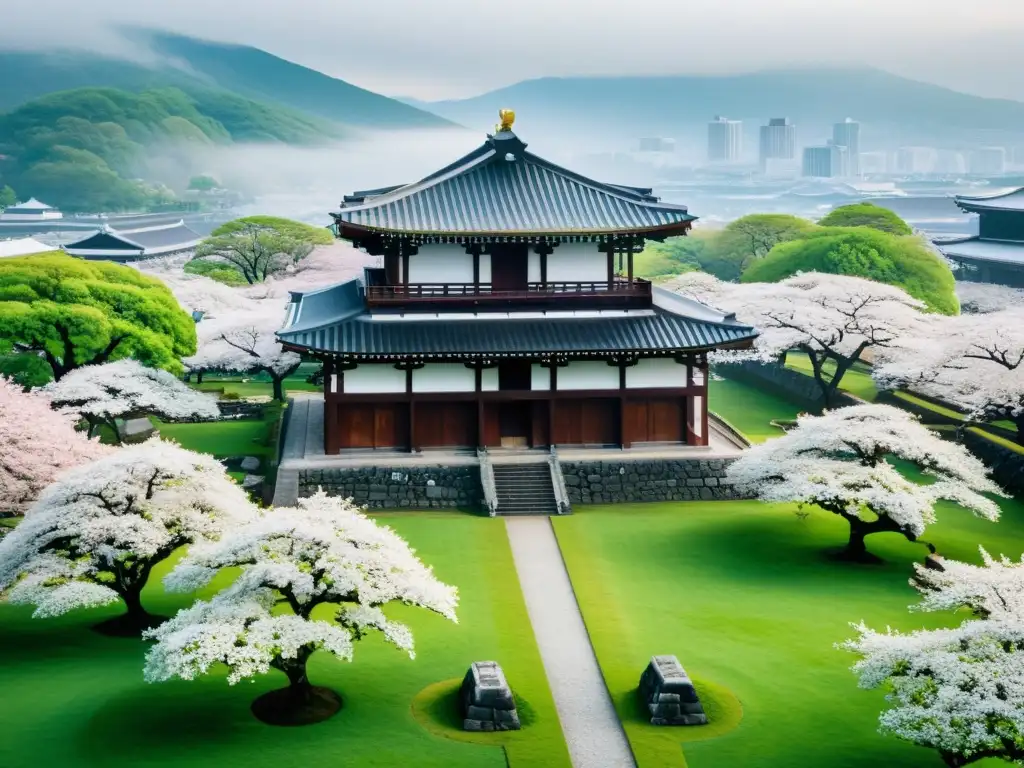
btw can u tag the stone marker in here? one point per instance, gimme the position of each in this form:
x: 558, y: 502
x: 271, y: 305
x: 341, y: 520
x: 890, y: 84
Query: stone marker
x: 250, y: 464
x: 485, y: 700
x: 137, y: 430
x: 669, y: 695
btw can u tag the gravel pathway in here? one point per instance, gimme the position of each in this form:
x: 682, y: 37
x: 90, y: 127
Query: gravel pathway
x: 591, y: 727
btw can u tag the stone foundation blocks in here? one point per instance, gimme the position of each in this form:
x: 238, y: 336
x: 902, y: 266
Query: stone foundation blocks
x: 668, y: 693
x: 485, y: 700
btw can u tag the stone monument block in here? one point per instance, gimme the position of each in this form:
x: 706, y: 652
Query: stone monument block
x: 485, y: 700
x: 669, y: 695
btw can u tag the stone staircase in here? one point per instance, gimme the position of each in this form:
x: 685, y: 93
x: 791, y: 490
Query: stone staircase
x: 525, y: 489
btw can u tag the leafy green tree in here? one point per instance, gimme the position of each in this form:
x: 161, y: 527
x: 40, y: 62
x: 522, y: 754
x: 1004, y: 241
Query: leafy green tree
x: 296, y: 230
x: 906, y: 262
x: 7, y: 197
x: 74, y: 313
x: 203, y: 183
x: 747, y: 239
x: 219, y: 271
x: 257, y: 252
x: 866, y: 215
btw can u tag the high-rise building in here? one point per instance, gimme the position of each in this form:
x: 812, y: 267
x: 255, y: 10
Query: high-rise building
x: 847, y: 134
x: 826, y: 162
x: 949, y: 161
x: 988, y: 161
x: 725, y: 140
x: 778, y: 140
x: 915, y: 159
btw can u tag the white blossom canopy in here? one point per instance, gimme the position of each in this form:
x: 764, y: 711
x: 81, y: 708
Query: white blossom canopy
x: 325, y: 552
x: 36, y: 445
x: 975, y: 362
x: 832, y: 314
x: 92, y: 537
x: 958, y: 690
x: 126, y: 388
x: 837, y: 461
x: 982, y: 298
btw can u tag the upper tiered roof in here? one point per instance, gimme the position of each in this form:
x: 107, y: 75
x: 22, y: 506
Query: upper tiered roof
x: 1006, y: 201
x: 501, y: 190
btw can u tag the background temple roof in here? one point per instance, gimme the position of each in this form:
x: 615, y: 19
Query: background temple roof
x: 1006, y: 201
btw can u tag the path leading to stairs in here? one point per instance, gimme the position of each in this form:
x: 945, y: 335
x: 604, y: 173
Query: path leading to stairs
x: 591, y: 727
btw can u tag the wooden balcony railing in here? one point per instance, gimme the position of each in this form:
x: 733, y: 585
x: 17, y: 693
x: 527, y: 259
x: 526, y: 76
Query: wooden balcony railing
x: 619, y: 291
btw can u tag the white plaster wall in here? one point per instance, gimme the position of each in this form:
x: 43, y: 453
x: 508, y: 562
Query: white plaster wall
x: 485, y: 268
x: 441, y: 263
x: 698, y: 416
x: 698, y: 375
x: 533, y: 267
x: 655, y: 372
x: 588, y: 374
x: 576, y: 263
x: 489, y: 380
x: 444, y: 377
x: 374, y: 378
x: 540, y: 377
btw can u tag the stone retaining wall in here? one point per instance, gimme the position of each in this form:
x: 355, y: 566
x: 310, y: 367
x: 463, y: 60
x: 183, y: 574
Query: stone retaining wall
x: 399, y: 487
x: 611, y: 482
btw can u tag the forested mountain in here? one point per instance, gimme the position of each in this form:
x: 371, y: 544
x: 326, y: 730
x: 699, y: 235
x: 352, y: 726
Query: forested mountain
x: 84, y: 149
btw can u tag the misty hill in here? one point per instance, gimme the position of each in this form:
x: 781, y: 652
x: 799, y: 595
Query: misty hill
x: 263, y: 76
x: 197, y: 66
x: 85, y: 149
x: 903, y: 110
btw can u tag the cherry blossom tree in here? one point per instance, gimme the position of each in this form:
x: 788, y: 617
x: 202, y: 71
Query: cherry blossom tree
x: 244, y: 341
x: 833, y: 319
x: 325, y: 552
x: 975, y: 362
x: 102, y: 394
x: 959, y: 691
x: 838, y: 462
x: 982, y: 298
x: 36, y: 445
x: 94, y: 535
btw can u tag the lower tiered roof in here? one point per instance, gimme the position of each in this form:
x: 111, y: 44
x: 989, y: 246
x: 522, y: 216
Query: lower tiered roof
x: 335, y: 322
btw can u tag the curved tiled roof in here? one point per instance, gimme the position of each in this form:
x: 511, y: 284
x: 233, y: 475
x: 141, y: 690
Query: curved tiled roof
x: 1006, y: 201
x: 502, y: 189
x: 334, y: 321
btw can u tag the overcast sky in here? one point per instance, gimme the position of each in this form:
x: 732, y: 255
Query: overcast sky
x: 435, y: 49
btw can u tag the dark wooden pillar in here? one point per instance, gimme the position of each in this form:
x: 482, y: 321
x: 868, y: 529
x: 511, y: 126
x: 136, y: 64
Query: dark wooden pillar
x: 331, y: 441
x: 404, y: 251
x: 474, y: 251
x: 543, y: 250
x: 481, y: 438
x: 611, y: 263
x: 629, y: 261
x: 412, y: 437
x: 551, y: 402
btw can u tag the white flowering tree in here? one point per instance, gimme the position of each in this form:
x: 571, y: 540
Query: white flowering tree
x: 104, y: 394
x: 975, y: 362
x: 245, y: 342
x: 325, y: 553
x: 833, y: 319
x: 838, y: 462
x: 94, y: 535
x: 959, y: 691
x: 982, y: 298
x: 36, y: 445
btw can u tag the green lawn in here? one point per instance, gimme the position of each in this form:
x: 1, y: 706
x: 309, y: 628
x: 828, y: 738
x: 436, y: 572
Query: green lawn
x: 749, y: 409
x: 742, y: 593
x: 857, y: 381
x: 75, y: 698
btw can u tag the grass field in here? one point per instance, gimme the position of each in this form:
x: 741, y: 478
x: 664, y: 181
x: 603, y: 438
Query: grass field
x: 75, y: 698
x: 742, y: 593
x: 748, y: 409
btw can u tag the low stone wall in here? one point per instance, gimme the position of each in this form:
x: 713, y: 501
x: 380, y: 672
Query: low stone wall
x: 782, y: 381
x: 613, y: 482
x: 1007, y: 465
x: 433, y: 487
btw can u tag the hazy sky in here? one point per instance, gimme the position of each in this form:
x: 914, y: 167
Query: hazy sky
x: 452, y: 48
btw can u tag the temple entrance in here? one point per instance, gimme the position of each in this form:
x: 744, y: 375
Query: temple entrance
x: 509, y: 267
x: 515, y: 424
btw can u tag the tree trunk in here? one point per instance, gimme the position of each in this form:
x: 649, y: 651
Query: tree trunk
x: 133, y: 602
x: 299, y: 688
x: 856, y: 549
x: 199, y: 377
x: 112, y: 423
x: 278, y: 387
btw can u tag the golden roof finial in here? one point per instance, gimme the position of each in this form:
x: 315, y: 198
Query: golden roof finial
x: 507, y: 117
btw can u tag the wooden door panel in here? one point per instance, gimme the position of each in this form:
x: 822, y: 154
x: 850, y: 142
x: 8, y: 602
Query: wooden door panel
x: 599, y: 421
x: 541, y: 434
x: 356, y: 426
x: 492, y: 431
x: 566, y: 429
x: 636, y: 422
x: 666, y: 421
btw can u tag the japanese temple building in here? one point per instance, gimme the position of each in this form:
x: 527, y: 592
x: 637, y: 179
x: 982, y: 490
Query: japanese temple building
x: 996, y: 253
x: 505, y: 313
x: 136, y: 243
